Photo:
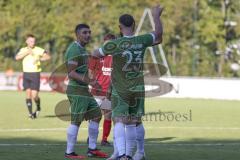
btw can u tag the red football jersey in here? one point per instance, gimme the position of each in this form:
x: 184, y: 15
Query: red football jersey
x: 101, y: 68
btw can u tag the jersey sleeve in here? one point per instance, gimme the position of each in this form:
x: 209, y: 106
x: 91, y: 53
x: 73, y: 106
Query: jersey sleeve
x: 72, y: 56
x: 109, y: 48
x: 148, y: 39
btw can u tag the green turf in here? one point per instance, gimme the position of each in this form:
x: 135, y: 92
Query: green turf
x: 210, y: 132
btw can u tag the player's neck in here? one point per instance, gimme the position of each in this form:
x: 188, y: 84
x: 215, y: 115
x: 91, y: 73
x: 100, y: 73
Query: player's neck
x: 30, y: 47
x: 81, y: 44
x: 128, y: 33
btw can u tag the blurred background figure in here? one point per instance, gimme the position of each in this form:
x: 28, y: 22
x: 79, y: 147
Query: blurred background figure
x: 31, y: 57
x: 9, y: 73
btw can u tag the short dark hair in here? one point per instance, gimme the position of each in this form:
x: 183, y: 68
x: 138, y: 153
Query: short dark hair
x: 30, y: 35
x: 127, y: 20
x: 81, y: 26
x: 109, y: 36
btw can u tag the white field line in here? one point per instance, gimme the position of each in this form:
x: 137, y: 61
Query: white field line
x: 84, y: 128
x: 204, y: 128
x: 146, y: 144
x: 34, y: 129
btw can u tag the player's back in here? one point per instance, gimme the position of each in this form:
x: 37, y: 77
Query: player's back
x: 128, y: 54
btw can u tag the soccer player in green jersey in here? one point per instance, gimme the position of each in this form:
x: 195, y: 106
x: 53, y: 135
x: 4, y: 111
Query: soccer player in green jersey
x: 83, y: 104
x: 128, y: 80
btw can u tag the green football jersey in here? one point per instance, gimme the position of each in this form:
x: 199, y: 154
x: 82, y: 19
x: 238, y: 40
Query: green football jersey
x: 128, y: 54
x: 76, y: 54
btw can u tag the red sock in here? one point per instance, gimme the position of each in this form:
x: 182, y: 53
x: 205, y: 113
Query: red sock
x: 107, y: 124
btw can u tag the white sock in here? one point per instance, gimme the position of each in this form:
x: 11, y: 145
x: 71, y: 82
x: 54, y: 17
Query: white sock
x: 115, y: 151
x: 130, y: 139
x: 120, y: 138
x: 93, y: 134
x: 140, y: 138
x: 72, y: 133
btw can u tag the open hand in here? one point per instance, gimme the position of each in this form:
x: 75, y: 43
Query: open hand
x: 157, y: 11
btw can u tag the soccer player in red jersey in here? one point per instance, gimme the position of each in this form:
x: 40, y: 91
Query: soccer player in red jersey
x: 100, y: 69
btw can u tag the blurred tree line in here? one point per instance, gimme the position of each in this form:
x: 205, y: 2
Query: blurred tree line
x: 201, y: 37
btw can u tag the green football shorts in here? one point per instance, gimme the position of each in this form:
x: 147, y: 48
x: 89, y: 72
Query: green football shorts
x: 127, y: 104
x: 83, y: 105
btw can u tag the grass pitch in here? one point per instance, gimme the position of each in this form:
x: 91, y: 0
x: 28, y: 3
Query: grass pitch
x: 177, y: 129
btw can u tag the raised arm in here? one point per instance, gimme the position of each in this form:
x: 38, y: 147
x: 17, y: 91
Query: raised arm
x: 157, y: 12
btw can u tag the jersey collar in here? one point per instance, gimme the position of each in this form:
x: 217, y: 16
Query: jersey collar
x: 128, y: 36
x: 79, y: 44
